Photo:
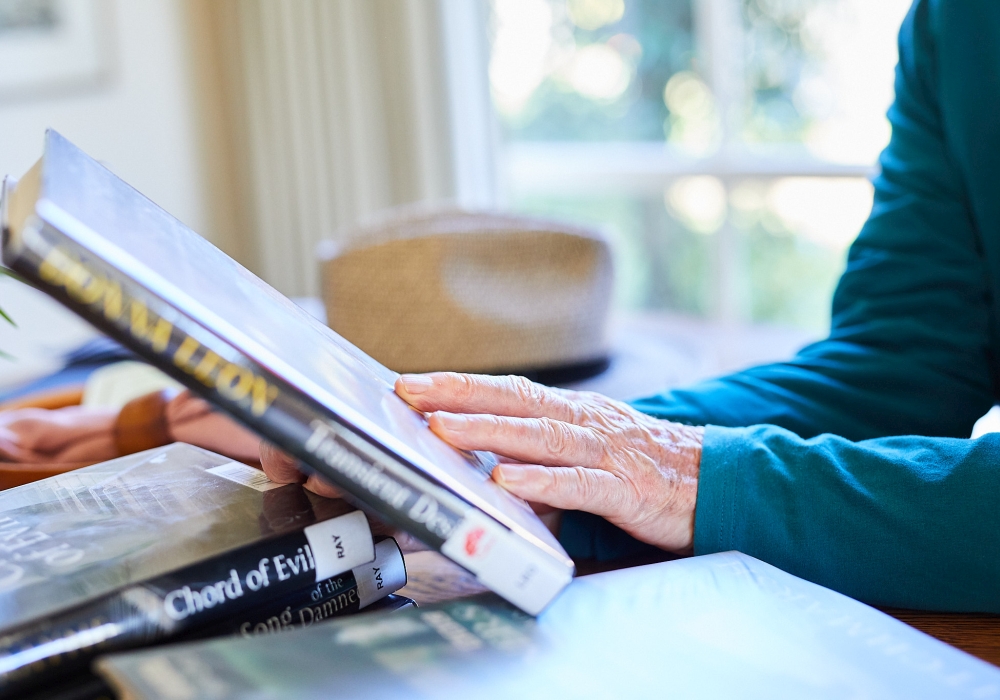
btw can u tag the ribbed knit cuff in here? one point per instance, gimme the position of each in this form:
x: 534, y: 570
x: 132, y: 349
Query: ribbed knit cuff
x: 716, y: 515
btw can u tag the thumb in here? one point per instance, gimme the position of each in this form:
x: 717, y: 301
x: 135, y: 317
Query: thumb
x: 279, y: 466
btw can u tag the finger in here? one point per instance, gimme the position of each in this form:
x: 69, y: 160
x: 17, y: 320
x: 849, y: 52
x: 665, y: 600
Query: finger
x: 319, y: 486
x: 533, y: 440
x: 279, y: 466
x: 477, y: 393
x: 566, y: 488
x: 282, y: 468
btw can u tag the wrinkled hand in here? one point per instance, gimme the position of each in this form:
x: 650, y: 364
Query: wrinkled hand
x: 565, y: 449
x: 573, y: 450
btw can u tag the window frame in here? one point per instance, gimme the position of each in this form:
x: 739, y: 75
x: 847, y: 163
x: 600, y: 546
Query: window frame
x: 646, y: 168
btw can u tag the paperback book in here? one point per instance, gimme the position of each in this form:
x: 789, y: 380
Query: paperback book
x: 84, y: 236
x: 155, y: 545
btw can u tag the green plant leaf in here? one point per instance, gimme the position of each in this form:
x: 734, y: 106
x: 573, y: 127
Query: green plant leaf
x: 5, y: 272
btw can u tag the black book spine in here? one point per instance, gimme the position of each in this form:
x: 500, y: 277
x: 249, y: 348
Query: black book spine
x: 226, y: 377
x: 185, y: 599
x: 336, y: 596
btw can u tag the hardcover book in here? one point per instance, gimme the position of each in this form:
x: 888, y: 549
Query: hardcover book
x: 717, y: 626
x: 336, y: 596
x: 98, y: 246
x: 147, y: 547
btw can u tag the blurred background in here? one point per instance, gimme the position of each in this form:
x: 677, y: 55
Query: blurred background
x: 724, y: 146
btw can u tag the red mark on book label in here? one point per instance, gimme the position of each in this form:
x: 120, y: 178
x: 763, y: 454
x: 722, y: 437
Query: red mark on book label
x: 472, y: 541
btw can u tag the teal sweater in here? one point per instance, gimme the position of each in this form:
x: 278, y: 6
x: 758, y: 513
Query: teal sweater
x: 849, y: 465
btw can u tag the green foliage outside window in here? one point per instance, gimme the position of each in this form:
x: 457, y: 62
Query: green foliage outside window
x: 653, y: 40
x: 816, y: 75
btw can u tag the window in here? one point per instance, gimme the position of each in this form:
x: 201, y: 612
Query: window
x: 725, y: 146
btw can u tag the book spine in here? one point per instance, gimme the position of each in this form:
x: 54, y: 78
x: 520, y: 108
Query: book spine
x: 255, y: 396
x: 337, y: 596
x: 182, y: 600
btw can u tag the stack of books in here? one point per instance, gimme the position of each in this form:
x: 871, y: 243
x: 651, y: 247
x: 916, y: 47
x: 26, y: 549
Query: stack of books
x: 178, y: 574
x: 173, y: 543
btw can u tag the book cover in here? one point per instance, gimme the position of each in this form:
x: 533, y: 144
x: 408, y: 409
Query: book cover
x: 137, y: 549
x: 717, y: 626
x: 98, y: 246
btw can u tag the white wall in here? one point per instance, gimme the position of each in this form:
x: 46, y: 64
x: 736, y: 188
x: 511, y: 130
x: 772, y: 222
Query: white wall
x: 141, y: 123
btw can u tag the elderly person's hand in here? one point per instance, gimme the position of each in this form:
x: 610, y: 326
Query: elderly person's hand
x: 567, y: 450
x: 573, y: 450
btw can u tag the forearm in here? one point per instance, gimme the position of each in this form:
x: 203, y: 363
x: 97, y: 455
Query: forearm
x: 907, y: 522
x: 859, y: 387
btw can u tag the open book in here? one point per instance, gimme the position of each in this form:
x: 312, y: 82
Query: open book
x: 91, y: 241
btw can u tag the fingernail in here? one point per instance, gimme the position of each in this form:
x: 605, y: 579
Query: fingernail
x: 416, y: 383
x: 452, y: 421
x: 507, y: 474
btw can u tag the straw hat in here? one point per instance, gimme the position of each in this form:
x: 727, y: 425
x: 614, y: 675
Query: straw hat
x: 472, y: 292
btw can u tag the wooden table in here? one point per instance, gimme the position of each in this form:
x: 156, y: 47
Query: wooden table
x: 432, y: 579
x: 975, y: 633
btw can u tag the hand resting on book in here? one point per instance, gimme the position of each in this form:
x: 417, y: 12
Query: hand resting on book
x: 560, y: 449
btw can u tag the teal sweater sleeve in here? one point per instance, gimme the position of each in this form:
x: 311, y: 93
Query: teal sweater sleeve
x: 819, y: 486
x: 906, y: 521
x: 909, y: 348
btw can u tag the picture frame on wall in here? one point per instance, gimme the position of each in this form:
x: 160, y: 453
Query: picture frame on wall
x: 50, y: 46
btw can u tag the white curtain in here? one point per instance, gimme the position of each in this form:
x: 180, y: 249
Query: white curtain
x: 325, y: 111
